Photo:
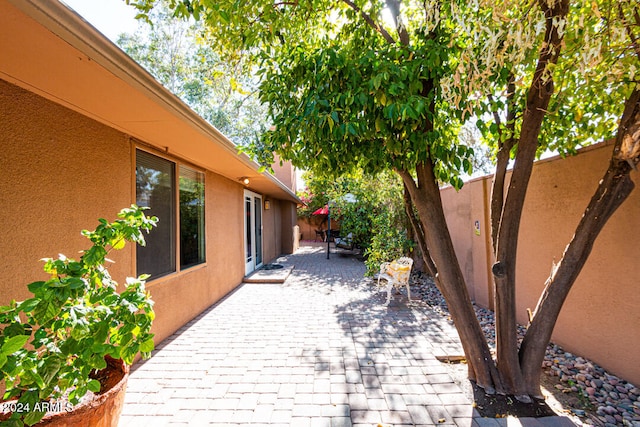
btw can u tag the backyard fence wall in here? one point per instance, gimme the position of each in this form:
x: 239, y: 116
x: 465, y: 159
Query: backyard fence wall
x: 308, y: 226
x: 601, y: 315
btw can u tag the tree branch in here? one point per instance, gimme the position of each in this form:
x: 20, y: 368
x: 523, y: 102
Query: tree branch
x: 370, y: 21
x: 502, y: 161
x: 627, y: 26
x: 394, y: 6
x: 449, y: 278
x: 613, y: 190
x: 285, y: 3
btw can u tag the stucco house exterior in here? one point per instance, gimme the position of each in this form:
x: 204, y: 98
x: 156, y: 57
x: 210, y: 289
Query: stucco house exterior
x: 85, y: 132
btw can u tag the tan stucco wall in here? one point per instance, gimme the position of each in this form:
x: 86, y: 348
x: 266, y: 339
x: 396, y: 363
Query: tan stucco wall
x: 281, y: 217
x: 290, y: 239
x: 179, y: 297
x: 462, y: 210
x: 602, y: 313
x: 308, y: 226
x: 271, y: 245
x: 60, y: 171
x: 600, y: 317
x: 286, y: 173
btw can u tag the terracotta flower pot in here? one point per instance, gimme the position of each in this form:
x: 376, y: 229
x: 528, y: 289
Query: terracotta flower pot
x: 104, y: 410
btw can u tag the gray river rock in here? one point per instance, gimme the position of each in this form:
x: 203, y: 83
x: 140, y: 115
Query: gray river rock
x: 617, y: 401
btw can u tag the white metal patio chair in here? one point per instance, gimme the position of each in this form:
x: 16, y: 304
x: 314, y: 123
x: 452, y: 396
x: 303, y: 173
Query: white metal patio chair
x: 396, y: 273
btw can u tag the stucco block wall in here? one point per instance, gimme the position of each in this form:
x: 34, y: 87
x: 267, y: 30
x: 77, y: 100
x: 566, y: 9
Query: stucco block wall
x: 308, y: 226
x: 601, y: 315
x: 290, y: 240
x: 285, y: 172
x: 462, y: 210
x: 279, y: 217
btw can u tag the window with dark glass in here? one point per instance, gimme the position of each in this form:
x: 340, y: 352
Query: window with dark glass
x: 192, y: 241
x: 156, y: 185
x: 155, y: 188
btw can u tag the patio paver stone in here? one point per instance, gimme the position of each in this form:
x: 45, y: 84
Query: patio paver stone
x: 320, y: 349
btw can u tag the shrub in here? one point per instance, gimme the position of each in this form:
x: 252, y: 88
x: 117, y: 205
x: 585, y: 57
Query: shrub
x: 52, y: 343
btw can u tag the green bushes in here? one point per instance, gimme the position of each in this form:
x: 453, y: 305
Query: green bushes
x: 373, y: 213
x: 389, y: 242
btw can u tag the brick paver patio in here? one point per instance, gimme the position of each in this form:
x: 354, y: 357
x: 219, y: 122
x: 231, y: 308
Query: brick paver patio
x: 318, y: 350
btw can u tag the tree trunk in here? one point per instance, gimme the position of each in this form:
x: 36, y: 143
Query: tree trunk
x: 497, y: 192
x: 426, y: 198
x: 419, y: 233
x: 502, y: 161
x: 613, y: 190
x: 504, y: 270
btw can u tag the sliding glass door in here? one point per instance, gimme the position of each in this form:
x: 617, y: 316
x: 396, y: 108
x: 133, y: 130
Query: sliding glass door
x: 252, y: 231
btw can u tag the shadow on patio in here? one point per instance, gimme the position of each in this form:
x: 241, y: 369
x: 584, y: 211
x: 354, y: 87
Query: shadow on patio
x: 318, y: 350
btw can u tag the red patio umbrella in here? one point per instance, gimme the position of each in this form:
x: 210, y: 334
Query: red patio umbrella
x: 321, y: 211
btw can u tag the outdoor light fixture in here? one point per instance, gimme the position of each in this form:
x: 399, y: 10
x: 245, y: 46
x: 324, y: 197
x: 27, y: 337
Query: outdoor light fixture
x: 244, y: 180
x: 267, y: 205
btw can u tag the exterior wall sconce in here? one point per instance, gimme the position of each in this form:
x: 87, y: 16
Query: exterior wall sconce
x: 245, y: 180
x: 267, y: 204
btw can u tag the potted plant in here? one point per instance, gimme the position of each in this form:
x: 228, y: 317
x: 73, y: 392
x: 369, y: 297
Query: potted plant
x: 61, y: 346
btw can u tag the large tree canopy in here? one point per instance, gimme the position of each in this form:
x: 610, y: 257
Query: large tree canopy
x: 176, y: 54
x: 386, y: 85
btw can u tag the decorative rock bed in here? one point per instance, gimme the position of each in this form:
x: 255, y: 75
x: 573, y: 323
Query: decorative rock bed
x: 616, y: 401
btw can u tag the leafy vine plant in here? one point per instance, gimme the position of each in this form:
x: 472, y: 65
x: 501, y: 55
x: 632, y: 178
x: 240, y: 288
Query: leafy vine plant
x: 53, y: 344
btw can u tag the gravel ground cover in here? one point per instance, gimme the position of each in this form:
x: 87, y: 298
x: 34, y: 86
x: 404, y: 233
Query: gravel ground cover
x: 583, y: 389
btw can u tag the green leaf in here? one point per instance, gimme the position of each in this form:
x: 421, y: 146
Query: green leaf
x: 33, y: 417
x: 14, y: 344
x: 467, y: 166
x: 80, y: 332
x: 38, y: 379
x: 3, y: 360
x: 45, y: 311
x: 331, y: 123
x: 147, y: 346
x: 50, y: 369
x: 57, y: 283
x: 29, y: 304
x: 95, y: 255
x: 97, y: 361
x: 15, y: 329
x: 75, y: 283
x: 94, y: 386
x: 35, y: 286
x: 129, y: 353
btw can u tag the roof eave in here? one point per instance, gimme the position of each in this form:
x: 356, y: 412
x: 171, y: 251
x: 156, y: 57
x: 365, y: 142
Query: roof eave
x: 206, y: 146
